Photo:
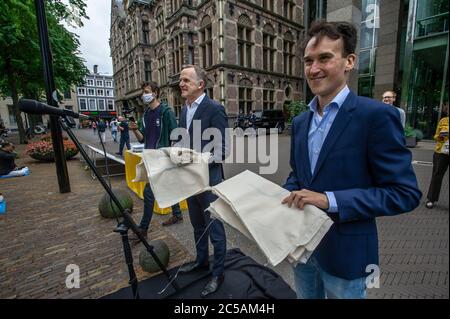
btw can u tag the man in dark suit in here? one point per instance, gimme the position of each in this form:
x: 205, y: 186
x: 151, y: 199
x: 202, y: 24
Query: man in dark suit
x: 348, y: 157
x: 199, y: 114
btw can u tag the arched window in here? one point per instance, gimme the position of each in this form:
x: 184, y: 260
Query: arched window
x: 268, y: 96
x: 159, y: 17
x: 162, y: 68
x: 288, y: 53
x: 244, y: 40
x: 205, y: 34
x: 269, y: 48
x: 245, y: 96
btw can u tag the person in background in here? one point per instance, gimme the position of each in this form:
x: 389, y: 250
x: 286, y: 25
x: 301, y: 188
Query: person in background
x: 440, y: 160
x: 113, y: 126
x: 8, y: 167
x: 124, y: 135
x: 389, y: 97
x: 102, y: 130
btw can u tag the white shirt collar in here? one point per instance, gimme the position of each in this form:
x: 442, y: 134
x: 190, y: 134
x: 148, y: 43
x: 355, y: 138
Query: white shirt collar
x: 196, y: 102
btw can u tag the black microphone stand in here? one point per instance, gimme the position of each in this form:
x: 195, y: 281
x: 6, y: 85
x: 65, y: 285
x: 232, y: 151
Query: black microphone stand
x: 127, y: 223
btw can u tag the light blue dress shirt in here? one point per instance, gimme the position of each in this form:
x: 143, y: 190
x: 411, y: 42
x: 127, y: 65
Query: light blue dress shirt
x: 192, y: 108
x: 318, y: 131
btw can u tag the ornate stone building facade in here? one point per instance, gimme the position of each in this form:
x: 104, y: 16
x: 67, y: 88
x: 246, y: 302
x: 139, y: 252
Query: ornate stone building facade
x: 250, y: 50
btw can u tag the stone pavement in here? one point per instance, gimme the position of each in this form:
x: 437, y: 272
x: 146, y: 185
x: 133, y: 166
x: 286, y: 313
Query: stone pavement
x: 414, y: 254
x: 45, y: 231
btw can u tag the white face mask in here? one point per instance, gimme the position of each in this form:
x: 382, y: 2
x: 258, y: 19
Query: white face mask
x: 147, y: 98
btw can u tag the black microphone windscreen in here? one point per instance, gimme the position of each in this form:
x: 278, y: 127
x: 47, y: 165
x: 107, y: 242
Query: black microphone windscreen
x: 31, y: 106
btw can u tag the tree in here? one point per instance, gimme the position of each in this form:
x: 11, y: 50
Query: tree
x: 21, y: 72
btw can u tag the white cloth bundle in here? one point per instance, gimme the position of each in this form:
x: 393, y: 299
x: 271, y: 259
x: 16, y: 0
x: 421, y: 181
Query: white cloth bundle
x: 252, y: 205
x: 174, y: 173
x: 247, y: 202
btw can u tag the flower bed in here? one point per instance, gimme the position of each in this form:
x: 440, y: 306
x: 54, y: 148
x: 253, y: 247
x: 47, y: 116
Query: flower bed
x: 43, y: 150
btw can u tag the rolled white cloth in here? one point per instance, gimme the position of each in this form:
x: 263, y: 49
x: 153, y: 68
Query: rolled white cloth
x: 252, y: 205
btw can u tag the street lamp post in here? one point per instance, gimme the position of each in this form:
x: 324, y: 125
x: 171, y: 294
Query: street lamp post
x: 58, y: 146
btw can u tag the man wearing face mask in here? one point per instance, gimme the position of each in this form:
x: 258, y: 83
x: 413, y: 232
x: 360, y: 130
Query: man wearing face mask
x: 154, y: 131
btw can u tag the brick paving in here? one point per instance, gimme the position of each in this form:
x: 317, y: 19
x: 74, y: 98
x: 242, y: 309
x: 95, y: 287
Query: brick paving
x: 45, y: 231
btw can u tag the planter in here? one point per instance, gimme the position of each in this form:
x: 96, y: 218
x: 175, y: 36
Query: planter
x: 43, y: 150
x: 411, y: 141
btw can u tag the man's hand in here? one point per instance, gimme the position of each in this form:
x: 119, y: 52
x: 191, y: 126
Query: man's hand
x: 302, y: 197
x: 133, y: 126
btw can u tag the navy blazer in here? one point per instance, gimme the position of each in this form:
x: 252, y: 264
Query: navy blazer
x: 211, y: 114
x: 365, y: 163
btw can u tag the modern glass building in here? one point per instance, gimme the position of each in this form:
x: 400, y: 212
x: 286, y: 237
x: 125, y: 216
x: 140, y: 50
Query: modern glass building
x: 425, y: 84
x: 403, y: 47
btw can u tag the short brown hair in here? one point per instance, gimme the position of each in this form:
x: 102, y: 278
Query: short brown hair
x: 153, y: 85
x: 201, y: 74
x: 333, y: 30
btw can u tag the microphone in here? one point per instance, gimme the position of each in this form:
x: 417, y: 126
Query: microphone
x: 35, y: 107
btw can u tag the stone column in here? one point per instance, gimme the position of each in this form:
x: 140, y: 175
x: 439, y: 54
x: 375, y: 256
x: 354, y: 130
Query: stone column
x: 349, y: 11
x: 387, y: 63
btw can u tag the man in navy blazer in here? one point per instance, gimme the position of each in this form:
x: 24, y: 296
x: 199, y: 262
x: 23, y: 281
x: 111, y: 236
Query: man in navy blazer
x: 201, y: 113
x: 348, y: 157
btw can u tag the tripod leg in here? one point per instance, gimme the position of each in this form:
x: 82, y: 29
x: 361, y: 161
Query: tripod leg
x: 123, y: 230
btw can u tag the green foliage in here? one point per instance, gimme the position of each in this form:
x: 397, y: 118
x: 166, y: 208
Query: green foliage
x: 410, y: 132
x: 295, y: 108
x: 419, y: 134
x: 21, y: 71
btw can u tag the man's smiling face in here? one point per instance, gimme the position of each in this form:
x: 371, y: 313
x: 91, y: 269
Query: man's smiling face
x: 325, y: 66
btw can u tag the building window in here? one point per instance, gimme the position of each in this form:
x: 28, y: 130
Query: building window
x: 12, y: 117
x: 268, y: 96
x: 100, y: 92
x: 159, y: 24
x: 190, y: 49
x: 269, y: 5
x: 162, y: 68
x: 81, y: 91
x: 91, y: 92
x: 131, y: 74
x: 145, y: 32
x: 101, y: 105
x: 245, y: 96
x: 108, y: 84
x: 90, y: 82
x: 244, y: 41
x: 148, y: 70
x: 289, y: 6
x: 68, y: 95
x: 82, y: 104
x: 110, y: 105
x: 92, y: 105
x: 206, y: 42
x: 288, y: 53
x: 109, y: 93
x: 177, y: 53
x: 268, y: 48
x: 176, y: 4
x: 368, y: 43
x: 99, y: 82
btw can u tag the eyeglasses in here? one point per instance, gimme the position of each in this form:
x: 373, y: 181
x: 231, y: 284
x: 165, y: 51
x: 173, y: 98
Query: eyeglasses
x: 388, y: 97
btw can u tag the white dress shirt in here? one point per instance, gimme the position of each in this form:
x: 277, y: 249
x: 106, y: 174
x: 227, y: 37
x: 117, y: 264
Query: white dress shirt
x: 192, y: 108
